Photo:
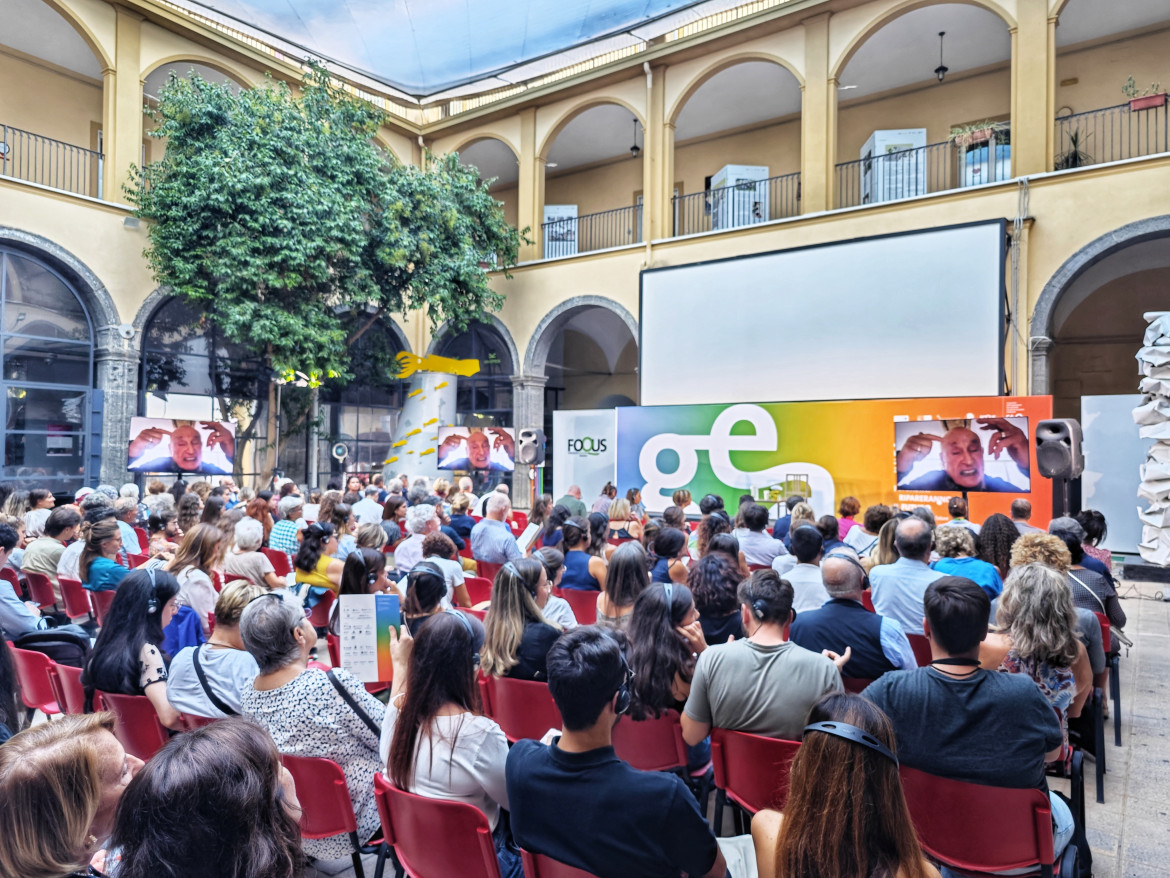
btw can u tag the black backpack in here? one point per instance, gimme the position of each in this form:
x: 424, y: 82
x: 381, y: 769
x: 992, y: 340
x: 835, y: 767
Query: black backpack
x: 62, y: 645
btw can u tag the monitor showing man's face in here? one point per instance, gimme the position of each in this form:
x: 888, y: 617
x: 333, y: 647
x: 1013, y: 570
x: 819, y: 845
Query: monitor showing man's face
x: 962, y: 457
x: 479, y: 450
x: 963, y: 454
x: 187, y: 448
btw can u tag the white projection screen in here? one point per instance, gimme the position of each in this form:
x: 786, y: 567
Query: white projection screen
x: 908, y: 315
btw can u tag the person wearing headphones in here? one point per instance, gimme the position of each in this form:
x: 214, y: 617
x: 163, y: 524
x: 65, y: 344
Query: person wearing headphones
x: 575, y: 801
x: 877, y: 643
x: 762, y: 684
x: 518, y: 633
x: 436, y: 742
x: 424, y: 590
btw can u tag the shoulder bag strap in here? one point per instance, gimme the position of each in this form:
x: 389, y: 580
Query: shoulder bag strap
x: 357, y: 708
x: 1073, y: 577
x: 215, y: 699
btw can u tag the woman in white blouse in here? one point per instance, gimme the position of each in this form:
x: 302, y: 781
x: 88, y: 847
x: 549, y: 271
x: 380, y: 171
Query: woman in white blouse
x: 199, y: 554
x: 435, y: 741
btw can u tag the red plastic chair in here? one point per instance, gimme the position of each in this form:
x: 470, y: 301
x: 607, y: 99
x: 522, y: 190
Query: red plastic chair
x: 478, y: 614
x: 478, y: 589
x: 1114, y: 662
x: 143, y: 537
x: 75, y: 597
x: 486, y: 570
x: 9, y: 576
x: 333, y: 643
x: 34, y: 675
x: 856, y: 685
x: 523, y: 708
x: 100, y: 601
x: 751, y: 772
x: 191, y: 722
x: 583, y: 604
x: 411, y: 824
x: 67, y: 686
x: 137, y: 560
x: 138, y: 727
x: 980, y: 829
x: 328, y: 809
x: 520, y: 520
x: 40, y: 589
x: 540, y: 866
x: 754, y: 567
x: 319, y: 617
x: 921, y: 647
x: 651, y: 744
x: 867, y: 601
x: 280, y: 562
x: 465, y: 552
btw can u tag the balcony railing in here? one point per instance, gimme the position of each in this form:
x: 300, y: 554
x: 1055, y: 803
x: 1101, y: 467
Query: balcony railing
x: 732, y: 207
x: 910, y: 173
x: 1110, y: 134
x: 593, y: 231
x: 50, y: 162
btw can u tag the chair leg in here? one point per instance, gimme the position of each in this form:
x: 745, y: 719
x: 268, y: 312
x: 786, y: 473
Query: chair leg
x: 381, y: 866
x: 1099, y: 741
x: 1115, y: 693
x: 720, y: 798
x: 358, y: 869
x: 1077, y: 788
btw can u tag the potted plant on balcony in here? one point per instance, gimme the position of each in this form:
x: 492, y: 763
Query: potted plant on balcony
x: 1074, y: 156
x: 1152, y: 97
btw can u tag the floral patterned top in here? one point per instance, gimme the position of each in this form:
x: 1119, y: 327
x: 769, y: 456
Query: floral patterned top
x: 151, y: 667
x: 308, y: 717
x: 1058, y: 685
x: 1102, y: 555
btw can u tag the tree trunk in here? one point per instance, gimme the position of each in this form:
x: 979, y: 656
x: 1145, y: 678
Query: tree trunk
x: 270, y: 461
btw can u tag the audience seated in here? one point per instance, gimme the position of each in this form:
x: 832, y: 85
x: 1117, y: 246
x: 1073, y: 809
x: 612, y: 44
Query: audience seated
x: 709, y: 527
x: 885, y: 552
x: 59, y: 786
x: 710, y: 504
x: 829, y: 528
x: 344, y: 525
x: 162, y: 528
x: 728, y: 545
x: 898, y: 588
x: 215, y: 801
x: 622, y: 524
x: 1021, y: 514
x: 368, y: 510
x: 201, y: 551
x: 491, y: 539
x: 957, y: 510
x: 762, y: 684
x: 564, y: 792
x: 423, y: 591
x: 866, y: 830
x: 1091, y: 589
x: 958, y: 720
x: 805, y: 576
x: 669, y: 559
x: 435, y: 740
x: 315, y: 566
x: 245, y: 558
x: 518, y: 636
x: 127, y: 658
x: 877, y: 644
x: 17, y: 617
x: 305, y: 711
x: 713, y: 582
x: 216, y: 687
x: 864, y: 539
x: 285, y: 535
x: 583, y: 569
x: 780, y: 528
x: 602, y: 503
x: 439, y: 550
x: 551, y: 535
x: 461, y: 522
x: 98, y: 567
x: 554, y: 609
x: 956, y: 549
x: 994, y: 543
x: 364, y: 573
x: 757, y: 546
x: 44, y: 553
x: 1092, y: 522
x: 848, y: 508
x: 627, y: 577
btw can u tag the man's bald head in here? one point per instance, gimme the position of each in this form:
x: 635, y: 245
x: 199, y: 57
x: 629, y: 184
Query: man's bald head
x: 961, y: 451
x: 186, y: 448
x: 913, y: 539
x: 842, y: 576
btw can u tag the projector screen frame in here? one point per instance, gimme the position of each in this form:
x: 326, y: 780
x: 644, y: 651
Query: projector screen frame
x: 1002, y: 292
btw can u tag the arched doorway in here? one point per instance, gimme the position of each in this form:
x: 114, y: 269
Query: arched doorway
x: 485, y: 398
x: 494, y: 160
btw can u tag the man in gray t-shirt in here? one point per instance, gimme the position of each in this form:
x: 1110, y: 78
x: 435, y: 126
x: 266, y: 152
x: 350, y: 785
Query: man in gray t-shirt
x: 763, y: 684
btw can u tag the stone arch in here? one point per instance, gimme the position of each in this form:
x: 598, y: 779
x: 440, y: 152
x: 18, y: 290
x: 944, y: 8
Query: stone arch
x: 437, y: 337
x: 717, y: 67
x: 536, y: 356
x: 105, y: 58
x: 1041, y: 327
x: 477, y: 137
x: 897, y: 11
x: 243, y: 77
x: 586, y: 103
x: 94, y: 295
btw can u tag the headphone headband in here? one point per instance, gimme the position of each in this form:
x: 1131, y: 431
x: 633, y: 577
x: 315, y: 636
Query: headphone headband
x: 470, y: 633
x: 854, y: 734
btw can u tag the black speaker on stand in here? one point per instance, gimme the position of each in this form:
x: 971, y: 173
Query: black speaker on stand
x: 1059, y: 455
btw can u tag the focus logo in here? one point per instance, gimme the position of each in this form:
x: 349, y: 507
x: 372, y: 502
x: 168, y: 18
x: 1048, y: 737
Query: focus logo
x: 586, y: 447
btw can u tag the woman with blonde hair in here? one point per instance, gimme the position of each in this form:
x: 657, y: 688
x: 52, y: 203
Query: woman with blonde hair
x: 60, y: 783
x: 517, y: 635
x: 885, y: 551
x: 623, y: 525
x: 98, y: 567
x: 200, y: 552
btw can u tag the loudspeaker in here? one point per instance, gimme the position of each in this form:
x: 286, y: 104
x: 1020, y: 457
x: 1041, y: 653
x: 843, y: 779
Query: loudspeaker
x: 1058, y: 449
x: 530, y: 447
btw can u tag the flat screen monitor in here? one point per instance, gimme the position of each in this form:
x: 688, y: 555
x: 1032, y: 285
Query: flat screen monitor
x: 170, y: 445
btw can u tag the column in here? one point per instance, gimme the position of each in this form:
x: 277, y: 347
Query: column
x: 1033, y: 88
x: 818, y: 119
x: 1039, y: 362
x: 527, y: 411
x: 122, y: 107
x: 117, y: 360
x: 655, y: 168
x: 530, y: 188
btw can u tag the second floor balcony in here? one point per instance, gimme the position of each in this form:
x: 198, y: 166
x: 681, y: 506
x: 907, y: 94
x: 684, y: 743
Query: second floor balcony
x: 35, y: 158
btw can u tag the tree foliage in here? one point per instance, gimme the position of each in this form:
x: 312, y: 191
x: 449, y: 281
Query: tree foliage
x: 277, y: 216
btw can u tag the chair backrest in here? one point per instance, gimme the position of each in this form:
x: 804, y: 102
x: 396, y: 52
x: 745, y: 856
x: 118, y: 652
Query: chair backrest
x: 921, y: 647
x: 540, y: 866
x: 137, y: 560
x: 101, y: 600
x: 651, y: 744
x: 75, y: 596
x: 280, y: 562
x: 856, y: 685
x: 319, y: 616
x: 436, y: 838
x: 9, y: 576
x: 191, y: 722
x: 479, y: 589
x: 486, y: 570
x: 751, y: 769
x: 867, y: 601
x: 70, y: 692
x: 65, y: 646
x: 978, y: 828
x: 333, y: 642
x: 520, y: 519
x: 143, y: 537
x: 40, y: 588
x: 34, y: 673
x: 1103, y: 621
x: 479, y: 614
x: 138, y: 726
x: 329, y: 810
x: 523, y: 708
x: 583, y: 603
x: 755, y: 567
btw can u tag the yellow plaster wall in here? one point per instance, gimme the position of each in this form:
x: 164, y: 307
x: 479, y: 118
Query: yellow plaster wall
x: 49, y: 102
x: 1102, y: 70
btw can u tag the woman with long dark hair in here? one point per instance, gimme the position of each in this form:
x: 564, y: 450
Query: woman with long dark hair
x: 518, y: 636
x: 200, y: 552
x: 715, y: 523
x: 435, y: 740
x: 212, y: 510
x: 667, y: 562
x: 713, y: 582
x: 315, y: 567
x: 127, y: 658
x: 394, y: 519
x: 584, y: 570
x: 364, y: 573
x: 552, y: 535
x: 231, y: 809
x: 994, y: 543
x: 626, y: 579
x: 868, y: 832
x: 11, y: 709
x: 598, y: 535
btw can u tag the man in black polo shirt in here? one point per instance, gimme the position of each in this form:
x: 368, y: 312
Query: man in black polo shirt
x: 576, y: 802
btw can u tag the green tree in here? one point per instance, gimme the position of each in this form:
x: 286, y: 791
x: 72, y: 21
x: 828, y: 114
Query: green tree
x: 277, y: 216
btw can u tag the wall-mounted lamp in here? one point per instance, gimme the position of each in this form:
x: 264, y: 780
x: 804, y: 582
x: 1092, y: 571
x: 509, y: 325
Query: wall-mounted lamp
x: 941, y: 70
x: 635, y: 149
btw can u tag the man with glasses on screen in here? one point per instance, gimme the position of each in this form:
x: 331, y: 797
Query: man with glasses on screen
x: 961, y: 452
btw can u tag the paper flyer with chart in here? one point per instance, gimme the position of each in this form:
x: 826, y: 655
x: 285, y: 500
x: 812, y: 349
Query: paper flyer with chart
x: 366, y: 620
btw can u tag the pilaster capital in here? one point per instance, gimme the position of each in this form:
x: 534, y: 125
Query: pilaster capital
x: 1040, y: 344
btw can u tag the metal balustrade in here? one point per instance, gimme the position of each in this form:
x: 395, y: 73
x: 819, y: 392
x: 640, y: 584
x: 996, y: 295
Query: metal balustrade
x: 593, y: 231
x: 732, y: 207
x: 1111, y: 134
x: 49, y: 162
